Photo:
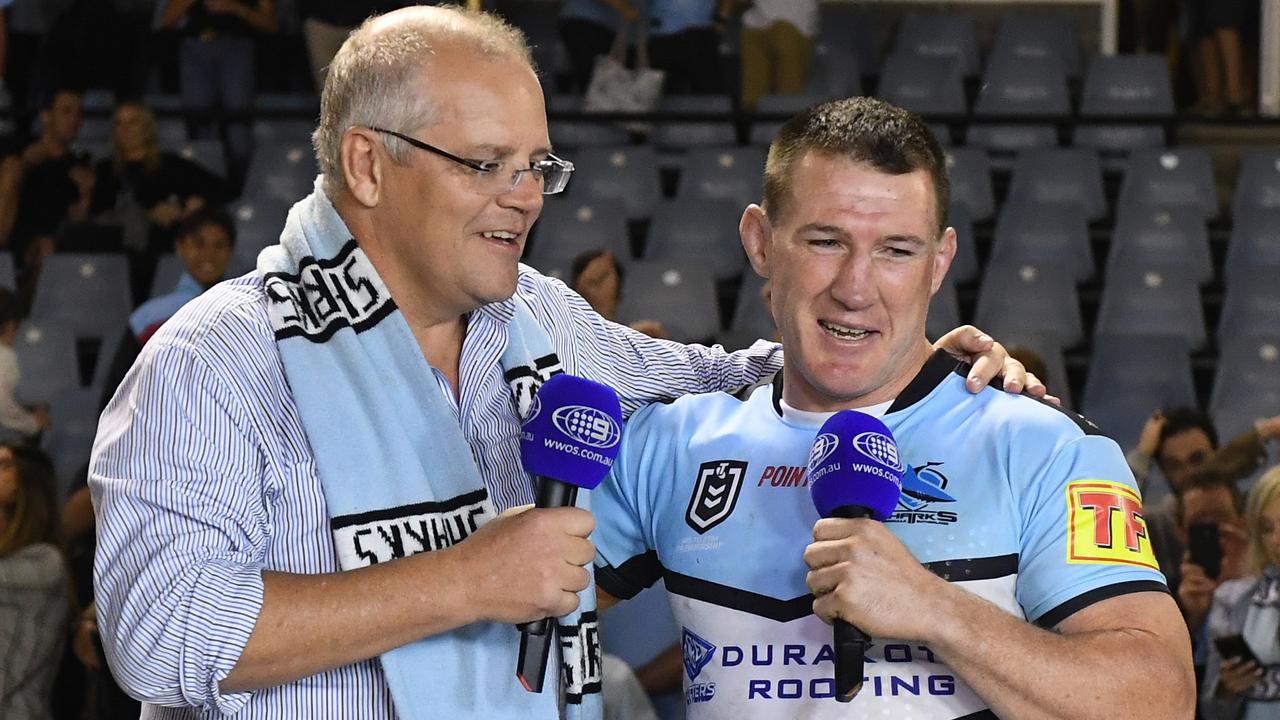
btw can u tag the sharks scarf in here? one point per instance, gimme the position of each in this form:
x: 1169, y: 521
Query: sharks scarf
x: 397, y: 472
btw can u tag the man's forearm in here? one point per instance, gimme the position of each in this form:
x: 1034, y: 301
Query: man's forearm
x: 1024, y: 671
x: 312, y: 623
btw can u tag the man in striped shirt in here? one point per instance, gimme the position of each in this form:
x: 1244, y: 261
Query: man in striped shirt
x: 219, y: 590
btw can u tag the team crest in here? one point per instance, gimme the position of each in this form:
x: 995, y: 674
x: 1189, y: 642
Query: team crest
x: 715, y: 493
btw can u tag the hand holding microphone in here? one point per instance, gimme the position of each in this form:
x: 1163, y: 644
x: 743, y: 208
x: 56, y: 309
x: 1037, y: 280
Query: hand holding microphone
x: 569, y: 442
x: 854, y: 472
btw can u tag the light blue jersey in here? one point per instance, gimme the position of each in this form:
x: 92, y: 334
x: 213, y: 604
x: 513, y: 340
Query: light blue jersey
x: 1012, y: 498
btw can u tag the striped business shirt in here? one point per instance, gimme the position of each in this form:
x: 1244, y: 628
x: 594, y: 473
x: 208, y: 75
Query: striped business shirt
x: 203, y: 477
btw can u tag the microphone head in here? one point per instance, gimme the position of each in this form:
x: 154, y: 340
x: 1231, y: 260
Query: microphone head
x: 572, y: 432
x: 855, y: 462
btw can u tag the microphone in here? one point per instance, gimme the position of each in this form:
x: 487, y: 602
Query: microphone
x: 854, y: 472
x: 569, y: 441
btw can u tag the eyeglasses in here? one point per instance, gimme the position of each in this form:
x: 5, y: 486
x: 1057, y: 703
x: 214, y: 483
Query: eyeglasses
x: 492, y: 178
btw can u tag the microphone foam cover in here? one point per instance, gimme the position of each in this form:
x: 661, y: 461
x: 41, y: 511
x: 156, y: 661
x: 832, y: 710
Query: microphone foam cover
x: 854, y: 462
x: 573, y: 431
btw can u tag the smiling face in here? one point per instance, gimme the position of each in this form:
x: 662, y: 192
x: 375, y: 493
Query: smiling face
x: 205, y: 253
x: 441, y: 242
x: 852, y: 263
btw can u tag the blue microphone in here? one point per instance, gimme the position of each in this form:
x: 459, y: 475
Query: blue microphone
x: 569, y: 441
x: 854, y: 472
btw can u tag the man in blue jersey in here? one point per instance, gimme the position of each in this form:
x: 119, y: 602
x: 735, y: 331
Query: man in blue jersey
x: 1015, y: 578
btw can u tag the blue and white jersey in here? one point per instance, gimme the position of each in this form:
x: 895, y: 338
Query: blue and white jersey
x: 1013, y: 499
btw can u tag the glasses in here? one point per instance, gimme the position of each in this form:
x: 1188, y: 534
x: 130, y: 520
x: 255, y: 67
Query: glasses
x: 492, y: 177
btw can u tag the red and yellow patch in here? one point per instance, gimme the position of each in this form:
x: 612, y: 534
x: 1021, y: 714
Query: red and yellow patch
x: 1105, y: 525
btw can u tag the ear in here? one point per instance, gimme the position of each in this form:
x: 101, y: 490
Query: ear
x: 757, y: 238
x: 942, y: 258
x: 362, y: 165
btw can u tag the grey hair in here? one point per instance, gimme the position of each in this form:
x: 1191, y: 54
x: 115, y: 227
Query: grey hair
x: 371, y: 79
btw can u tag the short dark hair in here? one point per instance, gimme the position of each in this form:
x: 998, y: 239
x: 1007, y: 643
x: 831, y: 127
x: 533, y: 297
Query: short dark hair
x: 10, y: 307
x: 865, y: 129
x: 51, y: 95
x: 584, y: 259
x: 1207, y: 479
x: 1178, y: 420
x: 207, y: 215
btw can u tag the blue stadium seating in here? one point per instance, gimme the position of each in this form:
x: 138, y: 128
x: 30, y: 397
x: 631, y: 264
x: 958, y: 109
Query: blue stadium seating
x: 1027, y: 297
x: 924, y: 85
x: 964, y: 268
x: 1258, y: 183
x: 1053, y: 235
x: 1173, y: 235
x: 1013, y: 86
x: 1130, y: 376
x: 47, y: 358
x: 568, y: 228
x: 948, y: 36
x: 944, y: 310
x: 1251, y: 305
x: 683, y: 134
x: 681, y: 295
x: 283, y: 171
x: 1255, y: 241
x: 1154, y: 299
x: 1060, y: 176
x: 970, y: 174
x: 730, y: 173
x: 1120, y: 86
x: 86, y: 292
x: 1036, y: 37
x: 629, y: 174
x: 1172, y: 177
x: 70, y: 436
x: 751, y: 318
x: 569, y: 134
x: 8, y: 276
x: 698, y: 228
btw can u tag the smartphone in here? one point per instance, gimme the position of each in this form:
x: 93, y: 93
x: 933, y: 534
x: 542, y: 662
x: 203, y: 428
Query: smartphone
x: 1205, y: 548
x: 1234, y: 646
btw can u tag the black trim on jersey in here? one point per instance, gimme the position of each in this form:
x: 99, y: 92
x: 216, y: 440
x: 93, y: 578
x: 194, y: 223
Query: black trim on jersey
x: 980, y: 715
x: 1080, y: 602
x: 736, y: 598
x: 628, y: 579
x: 987, y: 568
x: 935, y: 370
x: 744, y: 393
x: 777, y: 393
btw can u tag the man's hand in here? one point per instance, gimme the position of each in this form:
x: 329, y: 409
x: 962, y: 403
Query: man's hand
x: 861, y: 573
x: 529, y: 563
x: 1195, y: 593
x: 1237, y: 676
x: 1149, y: 440
x: 989, y: 359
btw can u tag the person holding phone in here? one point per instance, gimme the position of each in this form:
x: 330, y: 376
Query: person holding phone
x: 1209, y: 521
x: 1242, y: 672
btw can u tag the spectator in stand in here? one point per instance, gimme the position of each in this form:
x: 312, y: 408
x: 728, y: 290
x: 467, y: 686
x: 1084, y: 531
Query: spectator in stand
x: 16, y: 421
x: 1180, y: 441
x: 34, y: 592
x: 587, y: 29
x: 218, y: 67
x: 1218, y: 56
x: 206, y: 239
x: 597, y: 277
x: 1235, y: 687
x: 327, y: 23
x: 684, y: 42
x: 777, y: 47
x: 1208, y: 498
x: 50, y: 186
x: 148, y: 191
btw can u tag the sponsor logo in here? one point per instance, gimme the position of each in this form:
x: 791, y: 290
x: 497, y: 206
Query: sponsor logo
x: 923, y: 488
x: 327, y: 295
x: 780, y: 671
x: 697, y: 654
x: 587, y: 425
x: 783, y: 476
x: 384, y: 535
x: 580, y: 653
x: 878, y: 447
x: 715, y: 493
x: 823, y: 446
x: 1105, y: 525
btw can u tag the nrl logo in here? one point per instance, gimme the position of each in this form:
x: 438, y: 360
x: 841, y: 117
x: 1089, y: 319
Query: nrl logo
x: 715, y: 493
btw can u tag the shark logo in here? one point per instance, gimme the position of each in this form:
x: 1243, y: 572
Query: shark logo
x: 697, y: 653
x: 923, y: 487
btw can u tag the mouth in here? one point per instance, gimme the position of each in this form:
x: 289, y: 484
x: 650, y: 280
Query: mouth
x: 506, y: 238
x: 844, y: 332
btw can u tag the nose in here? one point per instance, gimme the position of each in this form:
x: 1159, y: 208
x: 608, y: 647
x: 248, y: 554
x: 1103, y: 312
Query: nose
x: 852, y: 286
x: 526, y: 196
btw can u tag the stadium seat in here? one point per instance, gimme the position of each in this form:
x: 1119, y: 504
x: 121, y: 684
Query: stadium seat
x: 1251, y: 305
x: 171, y: 132
x: 568, y: 134
x: 1049, y: 348
x: 274, y: 131
x: 752, y: 319
x: 763, y: 132
x: 629, y: 174
x: 950, y: 36
x: 1012, y: 86
x: 835, y: 72
x: 1258, y: 183
x: 86, y: 292
x: 1119, y: 86
x: 568, y: 228
x: 965, y: 266
x: 682, y: 134
x: 168, y: 270
x: 970, y: 173
x: 1071, y: 177
x: 284, y: 171
x: 924, y: 85
x: 848, y: 25
x: 208, y: 154
x: 1028, y: 297
x: 1154, y: 299
x: 680, y: 295
x: 1247, y: 385
x: 1051, y: 235
x: 944, y: 310
x: 1255, y: 241
x: 8, y: 276
x: 258, y: 224
x: 1172, y: 177
x: 1035, y: 37
x: 47, y: 359
x: 698, y: 229
x: 70, y: 437
x: 1132, y: 375
x: 1174, y: 235
x: 730, y: 173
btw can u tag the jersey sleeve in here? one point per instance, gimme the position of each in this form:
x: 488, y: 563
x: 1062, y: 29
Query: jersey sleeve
x: 626, y: 562
x: 1084, y: 538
